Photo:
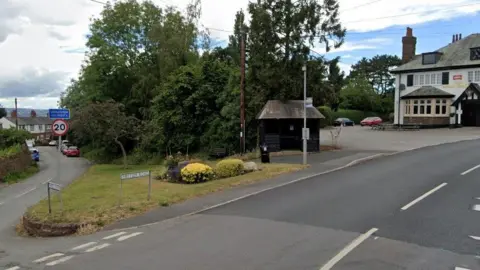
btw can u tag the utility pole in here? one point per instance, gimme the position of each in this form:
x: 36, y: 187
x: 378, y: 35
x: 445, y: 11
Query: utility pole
x: 16, y: 114
x: 242, y: 93
x: 304, y: 115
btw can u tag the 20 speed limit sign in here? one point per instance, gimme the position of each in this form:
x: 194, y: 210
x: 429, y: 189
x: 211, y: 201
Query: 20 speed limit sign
x: 59, y: 127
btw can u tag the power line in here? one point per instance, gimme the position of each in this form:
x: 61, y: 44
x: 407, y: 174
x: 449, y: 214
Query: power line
x: 362, y: 5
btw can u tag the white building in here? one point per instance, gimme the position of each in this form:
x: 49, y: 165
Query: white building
x: 40, y: 127
x: 439, y: 88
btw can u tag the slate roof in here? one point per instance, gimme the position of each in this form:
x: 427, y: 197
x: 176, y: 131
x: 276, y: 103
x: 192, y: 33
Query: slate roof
x: 291, y: 109
x: 39, y: 120
x: 427, y: 91
x: 453, y: 55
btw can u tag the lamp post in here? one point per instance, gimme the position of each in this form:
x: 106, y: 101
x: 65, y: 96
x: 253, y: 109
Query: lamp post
x: 304, y: 131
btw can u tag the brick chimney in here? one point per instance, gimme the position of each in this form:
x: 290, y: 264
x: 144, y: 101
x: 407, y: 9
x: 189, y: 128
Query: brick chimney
x: 33, y: 113
x: 409, y: 43
x: 13, y: 114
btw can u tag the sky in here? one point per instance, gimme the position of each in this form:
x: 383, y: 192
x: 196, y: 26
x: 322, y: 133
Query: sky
x: 42, y: 41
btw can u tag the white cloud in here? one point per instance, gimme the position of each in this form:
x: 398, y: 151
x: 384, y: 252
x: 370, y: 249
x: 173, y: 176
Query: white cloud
x: 37, y: 35
x: 345, y: 67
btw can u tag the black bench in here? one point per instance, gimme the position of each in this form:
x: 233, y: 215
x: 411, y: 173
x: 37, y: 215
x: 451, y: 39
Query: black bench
x: 219, y: 152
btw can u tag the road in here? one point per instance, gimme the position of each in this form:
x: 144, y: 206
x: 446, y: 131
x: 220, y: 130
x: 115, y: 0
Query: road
x: 413, y: 210
x: 15, y: 199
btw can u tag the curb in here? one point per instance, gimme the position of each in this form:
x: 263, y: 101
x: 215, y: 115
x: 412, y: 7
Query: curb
x: 350, y: 164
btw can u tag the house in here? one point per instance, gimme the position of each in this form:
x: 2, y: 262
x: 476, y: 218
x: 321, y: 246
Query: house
x: 39, y: 126
x: 439, y: 88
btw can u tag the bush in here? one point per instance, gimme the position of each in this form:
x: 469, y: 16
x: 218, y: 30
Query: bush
x: 327, y: 112
x: 197, y: 173
x: 229, y: 168
x: 11, y: 137
x: 10, y: 151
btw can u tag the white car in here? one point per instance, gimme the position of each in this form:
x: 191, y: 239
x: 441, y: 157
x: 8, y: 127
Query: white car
x: 52, y: 143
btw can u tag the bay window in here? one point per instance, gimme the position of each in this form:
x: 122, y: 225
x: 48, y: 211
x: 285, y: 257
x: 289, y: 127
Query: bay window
x: 427, y: 107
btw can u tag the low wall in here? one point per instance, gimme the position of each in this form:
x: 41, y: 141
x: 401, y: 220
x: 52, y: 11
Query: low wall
x: 41, y: 229
x: 17, y: 163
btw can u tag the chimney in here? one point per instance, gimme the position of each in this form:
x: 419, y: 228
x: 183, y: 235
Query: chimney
x: 453, y: 38
x: 459, y: 36
x: 33, y: 113
x: 409, y: 43
x: 13, y: 114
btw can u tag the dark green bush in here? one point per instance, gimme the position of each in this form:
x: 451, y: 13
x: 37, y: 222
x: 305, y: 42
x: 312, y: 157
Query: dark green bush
x: 327, y: 112
x: 11, y: 137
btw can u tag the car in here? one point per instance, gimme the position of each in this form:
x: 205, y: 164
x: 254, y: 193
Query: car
x: 64, y: 147
x: 371, y: 121
x: 52, y: 143
x: 72, y: 151
x: 35, y: 155
x: 342, y: 121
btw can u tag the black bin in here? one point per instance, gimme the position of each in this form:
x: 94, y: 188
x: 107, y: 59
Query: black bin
x: 265, y: 154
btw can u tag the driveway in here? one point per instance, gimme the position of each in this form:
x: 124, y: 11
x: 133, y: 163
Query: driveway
x: 364, y: 138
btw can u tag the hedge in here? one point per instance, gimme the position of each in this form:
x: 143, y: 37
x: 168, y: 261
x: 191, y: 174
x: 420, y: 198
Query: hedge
x: 10, y: 151
x: 229, y: 168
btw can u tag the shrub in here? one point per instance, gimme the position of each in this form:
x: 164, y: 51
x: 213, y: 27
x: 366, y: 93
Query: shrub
x: 10, y: 151
x: 197, y: 173
x: 327, y: 112
x: 11, y: 137
x: 229, y: 168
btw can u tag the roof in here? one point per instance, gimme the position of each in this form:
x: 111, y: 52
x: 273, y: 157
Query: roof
x: 455, y: 54
x: 290, y: 109
x: 39, y: 120
x: 25, y: 112
x: 427, y: 91
x: 472, y: 86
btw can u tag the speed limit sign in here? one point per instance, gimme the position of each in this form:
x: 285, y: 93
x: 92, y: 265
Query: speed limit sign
x: 60, y: 127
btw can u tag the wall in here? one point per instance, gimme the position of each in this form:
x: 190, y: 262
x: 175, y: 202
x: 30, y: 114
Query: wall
x: 5, y: 123
x: 17, y: 163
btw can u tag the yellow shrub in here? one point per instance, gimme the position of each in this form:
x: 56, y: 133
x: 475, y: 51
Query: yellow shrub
x: 229, y: 168
x: 197, y: 172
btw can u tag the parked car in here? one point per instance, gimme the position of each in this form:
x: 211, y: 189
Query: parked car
x: 342, y: 121
x: 371, y: 121
x: 72, y: 151
x: 64, y: 147
x: 35, y: 155
x: 52, y: 143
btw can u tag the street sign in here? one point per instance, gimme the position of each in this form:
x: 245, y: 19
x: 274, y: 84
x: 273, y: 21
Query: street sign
x: 126, y: 176
x: 54, y: 186
x: 60, y: 127
x: 305, y: 134
x: 59, y: 114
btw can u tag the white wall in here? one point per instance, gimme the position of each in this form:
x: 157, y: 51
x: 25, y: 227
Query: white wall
x: 5, y: 123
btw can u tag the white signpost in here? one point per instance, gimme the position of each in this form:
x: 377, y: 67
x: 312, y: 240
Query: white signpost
x: 56, y: 187
x: 128, y: 176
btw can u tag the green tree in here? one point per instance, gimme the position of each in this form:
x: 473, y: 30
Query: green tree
x: 358, y: 94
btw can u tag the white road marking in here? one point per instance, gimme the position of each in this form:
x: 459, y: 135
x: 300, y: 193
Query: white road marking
x: 48, y: 257
x: 476, y: 207
x: 25, y: 193
x: 344, y: 252
x: 423, y: 196
x: 13, y: 268
x: 471, y: 169
x: 95, y: 248
x: 114, y: 235
x: 125, y: 237
x: 50, y: 179
x: 84, y: 245
x: 461, y: 268
x: 474, y: 237
x: 64, y: 259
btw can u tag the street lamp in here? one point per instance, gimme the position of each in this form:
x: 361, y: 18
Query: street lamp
x: 304, y: 131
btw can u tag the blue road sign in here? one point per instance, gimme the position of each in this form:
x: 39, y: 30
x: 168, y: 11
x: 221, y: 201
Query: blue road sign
x: 59, y: 114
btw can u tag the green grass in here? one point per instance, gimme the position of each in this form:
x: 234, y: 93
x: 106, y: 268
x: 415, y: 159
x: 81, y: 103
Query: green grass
x: 10, y: 151
x: 93, y: 198
x: 19, y: 176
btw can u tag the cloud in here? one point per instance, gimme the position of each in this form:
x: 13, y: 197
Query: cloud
x: 345, y: 67
x: 366, y: 44
x: 31, y: 83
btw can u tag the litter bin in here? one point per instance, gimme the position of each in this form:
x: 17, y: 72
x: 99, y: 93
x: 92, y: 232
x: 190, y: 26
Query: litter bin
x: 265, y: 154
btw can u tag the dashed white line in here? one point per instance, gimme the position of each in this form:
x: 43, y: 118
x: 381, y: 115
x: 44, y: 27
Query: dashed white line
x: 474, y: 237
x: 470, y: 170
x: 125, y: 237
x: 48, y: 257
x: 344, y: 252
x: 84, y: 245
x: 25, y: 193
x: 476, y: 207
x: 423, y: 197
x: 461, y: 268
x: 114, y: 235
x: 61, y: 260
x: 13, y: 268
x: 95, y: 248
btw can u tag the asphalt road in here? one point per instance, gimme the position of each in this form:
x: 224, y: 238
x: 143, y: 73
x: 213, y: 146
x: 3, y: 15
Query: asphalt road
x: 413, y: 210
x: 15, y: 199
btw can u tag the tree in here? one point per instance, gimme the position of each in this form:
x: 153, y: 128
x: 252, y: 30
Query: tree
x: 358, y: 94
x: 105, y: 122
x: 336, y: 81
x: 3, y: 112
x: 377, y: 71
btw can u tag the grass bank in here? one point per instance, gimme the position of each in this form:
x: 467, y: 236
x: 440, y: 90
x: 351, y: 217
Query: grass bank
x: 93, y: 198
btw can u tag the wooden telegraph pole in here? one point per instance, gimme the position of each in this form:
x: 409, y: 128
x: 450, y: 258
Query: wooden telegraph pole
x: 242, y: 93
x: 16, y: 115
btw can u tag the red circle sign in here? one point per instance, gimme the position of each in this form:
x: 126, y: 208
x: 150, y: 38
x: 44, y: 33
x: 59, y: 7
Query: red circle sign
x: 59, y: 127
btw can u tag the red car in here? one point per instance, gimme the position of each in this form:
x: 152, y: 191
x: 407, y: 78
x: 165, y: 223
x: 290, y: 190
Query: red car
x: 72, y: 151
x: 371, y: 121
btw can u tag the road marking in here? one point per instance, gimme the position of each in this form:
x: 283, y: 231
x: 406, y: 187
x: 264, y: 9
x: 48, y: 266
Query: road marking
x: 423, y: 196
x: 13, y: 268
x: 114, y: 235
x: 95, y: 248
x: 50, y: 179
x: 25, y: 193
x: 474, y: 237
x: 461, y: 268
x: 125, y: 237
x: 84, y: 245
x: 64, y: 259
x: 344, y: 252
x: 476, y: 207
x: 48, y: 257
x: 471, y: 169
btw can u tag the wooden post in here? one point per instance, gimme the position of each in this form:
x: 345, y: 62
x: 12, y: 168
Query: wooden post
x: 242, y: 93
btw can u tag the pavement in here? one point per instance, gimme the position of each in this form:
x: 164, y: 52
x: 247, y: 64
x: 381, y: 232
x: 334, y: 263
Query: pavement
x: 412, y: 210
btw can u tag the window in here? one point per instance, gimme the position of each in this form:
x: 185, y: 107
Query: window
x: 426, y: 107
x: 422, y: 106
x: 422, y: 79
x: 415, y: 80
x: 407, y: 107
x: 430, y: 58
x: 445, y: 77
x: 427, y: 79
x: 32, y: 127
x: 470, y: 76
x: 415, y: 107
x: 410, y: 80
x: 475, y: 53
x: 49, y: 127
x: 444, y: 106
x: 40, y: 127
x: 477, y: 76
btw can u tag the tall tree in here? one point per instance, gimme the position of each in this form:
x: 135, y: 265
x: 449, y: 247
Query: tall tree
x: 359, y: 94
x: 3, y: 112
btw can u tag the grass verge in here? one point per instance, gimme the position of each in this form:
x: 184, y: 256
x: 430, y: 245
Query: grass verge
x: 16, y: 177
x: 93, y: 198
